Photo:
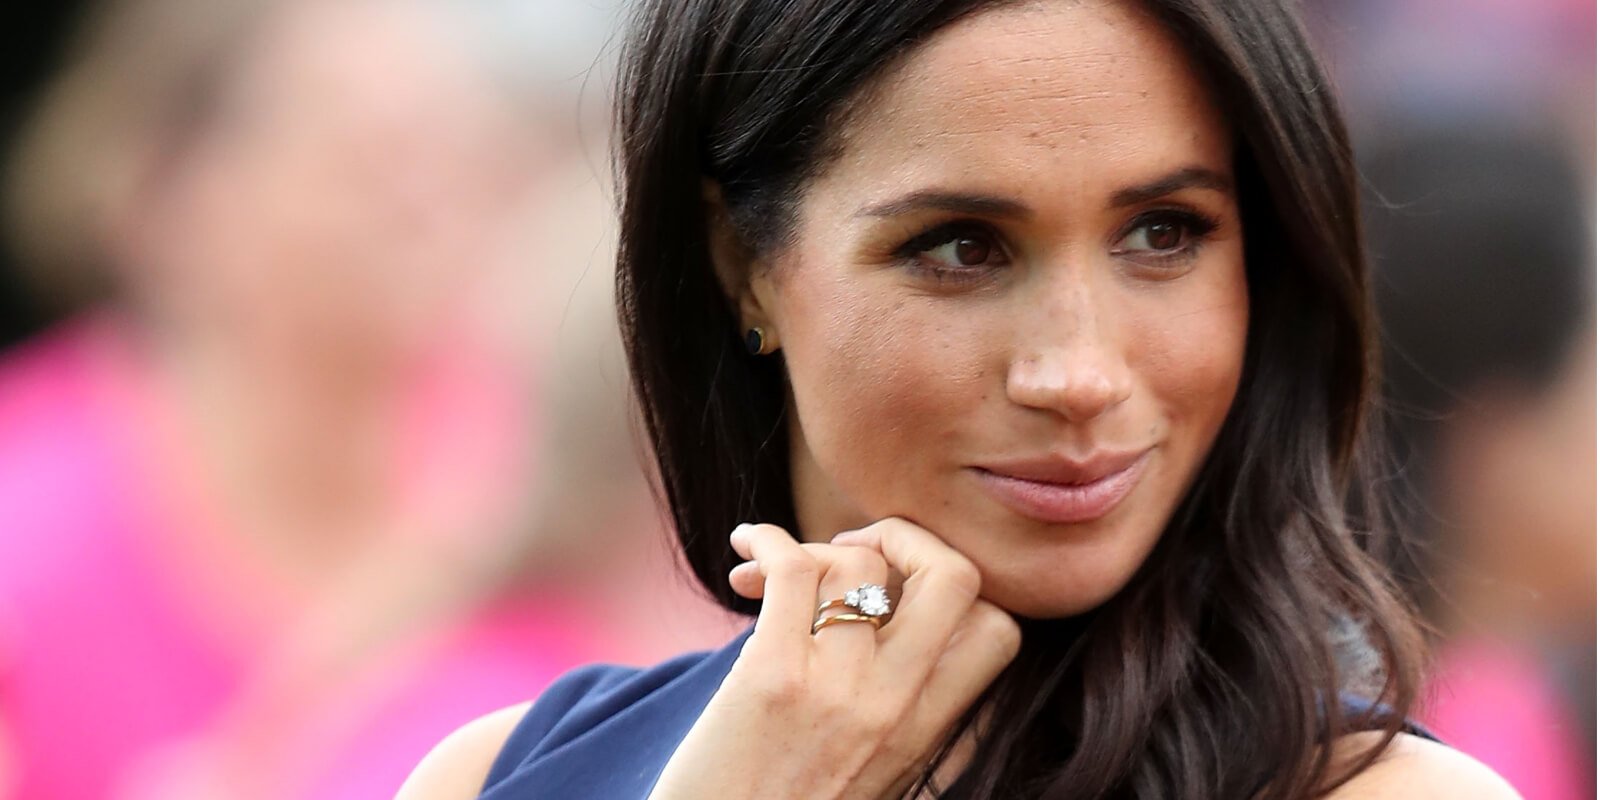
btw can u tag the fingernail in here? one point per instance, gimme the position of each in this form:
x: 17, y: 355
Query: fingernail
x: 739, y: 530
x: 845, y: 537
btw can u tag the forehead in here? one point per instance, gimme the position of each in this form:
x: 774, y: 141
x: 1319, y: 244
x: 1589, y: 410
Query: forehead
x: 1098, y: 89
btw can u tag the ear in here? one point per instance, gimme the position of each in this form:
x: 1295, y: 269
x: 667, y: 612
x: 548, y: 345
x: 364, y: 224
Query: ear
x: 744, y: 278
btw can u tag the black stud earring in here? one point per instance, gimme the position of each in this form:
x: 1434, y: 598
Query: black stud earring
x: 755, y: 341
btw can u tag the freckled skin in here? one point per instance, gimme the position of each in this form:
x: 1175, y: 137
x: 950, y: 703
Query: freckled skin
x: 901, y: 384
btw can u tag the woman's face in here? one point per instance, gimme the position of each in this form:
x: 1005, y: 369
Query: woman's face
x: 359, y: 177
x: 1022, y: 274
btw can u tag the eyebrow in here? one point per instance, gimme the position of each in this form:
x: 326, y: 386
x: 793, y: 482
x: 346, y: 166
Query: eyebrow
x: 954, y: 202
x: 1186, y: 178
x: 996, y: 206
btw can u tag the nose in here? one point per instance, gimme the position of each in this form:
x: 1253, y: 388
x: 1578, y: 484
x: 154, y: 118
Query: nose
x: 1068, y: 362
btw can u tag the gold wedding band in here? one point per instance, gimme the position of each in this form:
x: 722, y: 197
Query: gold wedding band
x: 870, y: 599
x: 824, y: 622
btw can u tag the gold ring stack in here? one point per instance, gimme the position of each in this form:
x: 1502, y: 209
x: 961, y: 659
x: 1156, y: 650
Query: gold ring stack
x: 869, y: 603
x: 877, y: 622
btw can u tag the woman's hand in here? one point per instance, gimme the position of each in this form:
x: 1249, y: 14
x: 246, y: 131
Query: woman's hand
x: 852, y: 711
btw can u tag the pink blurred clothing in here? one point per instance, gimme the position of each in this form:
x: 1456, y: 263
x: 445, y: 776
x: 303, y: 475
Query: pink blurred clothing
x: 116, y: 657
x: 1494, y: 702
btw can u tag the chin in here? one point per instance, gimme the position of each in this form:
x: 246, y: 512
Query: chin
x: 1033, y: 606
x: 1034, y: 596
x: 1063, y: 578
x: 1038, y: 571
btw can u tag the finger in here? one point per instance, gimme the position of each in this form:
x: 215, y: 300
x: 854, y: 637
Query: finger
x: 746, y: 580
x: 940, y: 586
x: 845, y: 569
x: 791, y: 575
x: 986, y: 641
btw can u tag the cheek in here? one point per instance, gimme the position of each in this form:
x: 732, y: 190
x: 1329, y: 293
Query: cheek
x: 881, y: 379
x: 1189, y: 352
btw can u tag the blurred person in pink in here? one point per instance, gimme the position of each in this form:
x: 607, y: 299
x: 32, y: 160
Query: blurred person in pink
x: 1478, y: 123
x: 1489, y: 327
x: 264, y: 520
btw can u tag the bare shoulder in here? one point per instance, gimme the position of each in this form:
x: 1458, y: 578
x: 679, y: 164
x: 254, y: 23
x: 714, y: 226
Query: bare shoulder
x: 1418, y: 769
x: 458, y: 765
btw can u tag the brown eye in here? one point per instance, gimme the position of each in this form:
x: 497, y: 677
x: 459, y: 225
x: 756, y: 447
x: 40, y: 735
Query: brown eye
x: 962, y: 250
x: 1165, y: 233
x: 959, y: 249
x: 970, y: 252
x: 1159, y: 236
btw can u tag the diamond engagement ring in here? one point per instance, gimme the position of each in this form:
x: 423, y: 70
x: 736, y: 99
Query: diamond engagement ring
x: 870, y: 602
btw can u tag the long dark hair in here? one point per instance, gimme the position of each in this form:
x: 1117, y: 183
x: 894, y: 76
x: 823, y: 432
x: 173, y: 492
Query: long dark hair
x: 1208, y: 674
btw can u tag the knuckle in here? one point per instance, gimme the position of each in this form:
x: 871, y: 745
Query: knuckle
x: 798, y: 565
x: 839, y: 707
x: 961, y: 576
x: 912, y: 531
x: 884, y: 524
x: 779, y: 688
x: 877, y: 720
x: 860, y: 560
x: 891, y: 526
x: 904, y: 528
x: 998, y: 628
x: 826, y: 707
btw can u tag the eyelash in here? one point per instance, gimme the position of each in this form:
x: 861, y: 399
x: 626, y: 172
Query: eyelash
x: 1197, y: 227
x: 912, y: 250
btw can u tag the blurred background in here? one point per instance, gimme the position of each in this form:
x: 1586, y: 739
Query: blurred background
x: 314, y: 427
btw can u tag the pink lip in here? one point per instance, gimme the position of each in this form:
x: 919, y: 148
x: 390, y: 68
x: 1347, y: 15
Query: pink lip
x: 1060, y: 490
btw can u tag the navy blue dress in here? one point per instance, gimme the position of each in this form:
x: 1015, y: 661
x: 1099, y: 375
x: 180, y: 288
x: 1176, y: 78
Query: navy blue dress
x: 605, y: 732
